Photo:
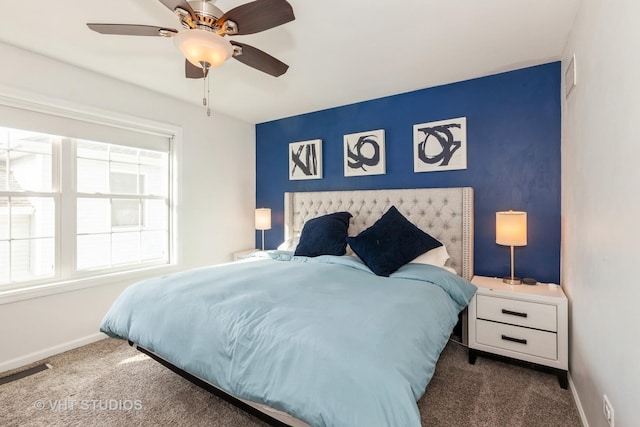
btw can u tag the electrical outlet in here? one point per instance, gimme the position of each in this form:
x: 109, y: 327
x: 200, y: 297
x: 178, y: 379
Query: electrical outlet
x: 607, y: 409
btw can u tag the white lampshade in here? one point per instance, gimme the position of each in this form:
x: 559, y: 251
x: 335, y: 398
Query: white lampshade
x: 511, y: 228
x: 203, y: 46
x: 263, y: 219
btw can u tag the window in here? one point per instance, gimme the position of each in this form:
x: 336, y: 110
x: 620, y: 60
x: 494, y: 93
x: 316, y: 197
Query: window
x: 73, y: 207
x: 27, y: 206
x: 122, y: 205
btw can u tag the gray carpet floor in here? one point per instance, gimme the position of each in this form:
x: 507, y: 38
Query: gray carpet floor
x: 110, y: 384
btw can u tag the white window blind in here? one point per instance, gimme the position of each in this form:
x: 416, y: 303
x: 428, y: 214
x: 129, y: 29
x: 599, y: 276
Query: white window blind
x: 94, y: 128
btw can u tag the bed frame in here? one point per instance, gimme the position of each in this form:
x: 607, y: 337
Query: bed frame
x: 444, y: 213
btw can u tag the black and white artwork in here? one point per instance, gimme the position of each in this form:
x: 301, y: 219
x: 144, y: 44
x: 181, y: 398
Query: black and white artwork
x: 305, y: 160
x: 440, y: 146
x: 364, y: 153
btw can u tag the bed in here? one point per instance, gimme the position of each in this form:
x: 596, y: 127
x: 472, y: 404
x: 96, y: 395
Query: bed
x: 322, y: 340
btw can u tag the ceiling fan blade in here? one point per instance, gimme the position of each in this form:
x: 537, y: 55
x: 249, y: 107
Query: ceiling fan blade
x: 132, y: 30
x: 260, y: 60
x: 182, y: 4
x: 259, y: 15
x: 193, y: 72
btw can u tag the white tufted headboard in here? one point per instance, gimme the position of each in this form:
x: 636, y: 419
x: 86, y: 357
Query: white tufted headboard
x: 444, y: 213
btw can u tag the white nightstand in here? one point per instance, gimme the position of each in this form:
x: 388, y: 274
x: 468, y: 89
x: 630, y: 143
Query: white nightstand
x: 522, y: 322
x: 237, y: 256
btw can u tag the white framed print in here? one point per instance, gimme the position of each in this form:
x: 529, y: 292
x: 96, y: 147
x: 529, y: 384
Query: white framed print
x: 305, y: 160
x: 364, y: 153
x: 440, y: 146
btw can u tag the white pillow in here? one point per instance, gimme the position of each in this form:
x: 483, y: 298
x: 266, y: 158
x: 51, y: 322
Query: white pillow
x: 436, y: 256
x: 450, y: 270
x: 350, y: 251
x: 289, y: 245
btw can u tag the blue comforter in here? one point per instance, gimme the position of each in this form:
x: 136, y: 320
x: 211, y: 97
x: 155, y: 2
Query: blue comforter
x: 323, y: 339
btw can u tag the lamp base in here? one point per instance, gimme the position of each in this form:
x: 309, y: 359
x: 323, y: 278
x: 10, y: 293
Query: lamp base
x: 512, y: 281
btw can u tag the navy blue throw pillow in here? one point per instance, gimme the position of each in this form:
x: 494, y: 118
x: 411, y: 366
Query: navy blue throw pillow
x: 390, y: 243
x: 325, y: 235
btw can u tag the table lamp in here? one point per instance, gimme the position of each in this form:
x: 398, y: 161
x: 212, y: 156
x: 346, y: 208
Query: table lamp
x: 511, y: 230
x: 263, y: 221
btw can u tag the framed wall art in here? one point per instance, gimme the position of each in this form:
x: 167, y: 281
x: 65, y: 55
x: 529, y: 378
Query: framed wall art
x: 305, y: 160
x: 364, y: 153
x: 440, y: 146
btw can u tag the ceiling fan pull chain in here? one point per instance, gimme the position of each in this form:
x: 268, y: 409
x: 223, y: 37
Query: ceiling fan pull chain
x: 208, y: 97
x: 204, y: 89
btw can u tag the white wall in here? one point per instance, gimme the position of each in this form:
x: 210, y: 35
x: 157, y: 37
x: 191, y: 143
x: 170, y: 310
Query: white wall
x: 216, y: 196
x: 601, y: 208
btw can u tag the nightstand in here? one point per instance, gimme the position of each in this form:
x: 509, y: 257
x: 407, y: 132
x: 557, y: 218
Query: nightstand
x: 526, y: 323
x: 237, y: 256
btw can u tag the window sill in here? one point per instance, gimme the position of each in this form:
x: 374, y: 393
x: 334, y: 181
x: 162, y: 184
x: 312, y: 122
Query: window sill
x: 43, y: 290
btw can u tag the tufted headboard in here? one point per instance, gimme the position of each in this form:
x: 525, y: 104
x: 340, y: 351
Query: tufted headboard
x: 444, y: 213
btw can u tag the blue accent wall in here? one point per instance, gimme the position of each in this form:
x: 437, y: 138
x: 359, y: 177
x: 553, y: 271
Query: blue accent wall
x: 513, y: 158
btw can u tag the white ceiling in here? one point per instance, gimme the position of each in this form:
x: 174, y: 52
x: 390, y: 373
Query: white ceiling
x: 339, y: 51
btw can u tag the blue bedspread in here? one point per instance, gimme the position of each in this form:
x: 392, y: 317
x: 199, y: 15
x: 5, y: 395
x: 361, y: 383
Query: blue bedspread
x: 323, y: 339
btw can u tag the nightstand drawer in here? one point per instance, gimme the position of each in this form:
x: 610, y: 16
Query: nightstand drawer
x: 514, y: 338
x: 514, y: 312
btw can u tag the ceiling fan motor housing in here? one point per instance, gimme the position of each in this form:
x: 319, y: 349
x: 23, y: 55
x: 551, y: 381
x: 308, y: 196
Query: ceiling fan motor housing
x: 207, y: 15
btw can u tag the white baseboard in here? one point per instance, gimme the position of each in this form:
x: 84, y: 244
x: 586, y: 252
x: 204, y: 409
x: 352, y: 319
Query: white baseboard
x: 47, y: 352
x: 576, y: 398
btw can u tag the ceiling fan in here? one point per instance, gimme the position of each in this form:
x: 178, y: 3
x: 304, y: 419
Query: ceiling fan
x: 203, y: 41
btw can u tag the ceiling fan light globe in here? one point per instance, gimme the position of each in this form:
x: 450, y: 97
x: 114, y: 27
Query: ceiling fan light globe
x: 201, y: 46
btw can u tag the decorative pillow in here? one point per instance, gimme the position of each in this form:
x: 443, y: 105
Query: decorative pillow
x: 325, y: 235
x: 390, y: 243
x: 437, y: 257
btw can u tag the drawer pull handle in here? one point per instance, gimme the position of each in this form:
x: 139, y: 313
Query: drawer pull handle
x: 518, y: 340
x: 514, y: 313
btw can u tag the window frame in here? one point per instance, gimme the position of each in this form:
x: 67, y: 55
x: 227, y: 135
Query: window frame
x: 54, y: 194
x: 64, y: 193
